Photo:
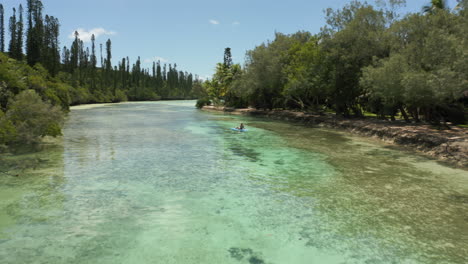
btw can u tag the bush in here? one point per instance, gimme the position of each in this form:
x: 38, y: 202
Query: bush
x: 202, y: 102
x: 101, y: 97
x: 58, y: 94
x: 7, y: 130
x: 120, y: 96
x: 33, y: 118
x: 79, y: 95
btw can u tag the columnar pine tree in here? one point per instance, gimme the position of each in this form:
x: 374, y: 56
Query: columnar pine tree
x: 56, y: 43
x: 123, y: 74
x: 2, y: 29
x: 93, y: 52
x: 13, y: 38
x: 18, y: 53
x: 93, y: 62
x: 66, y: 59
x: 227, y: 57
x: 102, y: 60
x: 74, y: 56
x: 127, y: 74
x: 82, y: 58
x: 35, y: 34
x: 159, y: 79
x: 109, y: 55
x: 114, y: 77
x: 101, y: 79
x: 55, y: 31
x: 108, y: 63
x: 51, y: 60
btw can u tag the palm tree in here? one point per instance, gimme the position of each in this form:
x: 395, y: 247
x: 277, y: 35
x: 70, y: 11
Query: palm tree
x: 435, y: 5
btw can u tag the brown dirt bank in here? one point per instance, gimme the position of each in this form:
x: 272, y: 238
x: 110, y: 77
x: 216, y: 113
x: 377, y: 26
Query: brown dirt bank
x: 446, y: 145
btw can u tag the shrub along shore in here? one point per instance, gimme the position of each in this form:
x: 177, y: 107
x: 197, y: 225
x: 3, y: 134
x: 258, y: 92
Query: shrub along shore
x: 450, y: 146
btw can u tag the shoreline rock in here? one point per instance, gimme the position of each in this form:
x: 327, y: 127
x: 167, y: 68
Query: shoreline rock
x: 450, y: 146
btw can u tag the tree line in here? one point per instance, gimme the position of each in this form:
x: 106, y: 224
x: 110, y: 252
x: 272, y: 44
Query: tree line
x: 119, y: 82
x: 39, y: 80
x: 366, y: 60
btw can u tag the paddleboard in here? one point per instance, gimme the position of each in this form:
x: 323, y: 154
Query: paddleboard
x: 240, y: 130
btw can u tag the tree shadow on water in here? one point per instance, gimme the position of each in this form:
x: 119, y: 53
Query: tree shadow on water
x: 246, y: 255
x: 248, y: 153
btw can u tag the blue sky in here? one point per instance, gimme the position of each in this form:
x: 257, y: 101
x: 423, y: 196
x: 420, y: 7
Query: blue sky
x: 192, y: 34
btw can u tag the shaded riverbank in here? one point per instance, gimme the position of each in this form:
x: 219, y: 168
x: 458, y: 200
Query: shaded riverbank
x: 450, y: 146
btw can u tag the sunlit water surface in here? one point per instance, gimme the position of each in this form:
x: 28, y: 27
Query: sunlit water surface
x: 165, y: 183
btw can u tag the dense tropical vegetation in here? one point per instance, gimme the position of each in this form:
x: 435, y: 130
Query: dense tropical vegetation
x: 366, y: 59
x: 39, y: 80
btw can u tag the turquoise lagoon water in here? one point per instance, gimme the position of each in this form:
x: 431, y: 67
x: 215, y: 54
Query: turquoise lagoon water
x: 162, y: 182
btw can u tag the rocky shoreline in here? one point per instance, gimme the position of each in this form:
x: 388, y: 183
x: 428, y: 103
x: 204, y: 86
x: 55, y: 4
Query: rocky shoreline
x: 450, y: 146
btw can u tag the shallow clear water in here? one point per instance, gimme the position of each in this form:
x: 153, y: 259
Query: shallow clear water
x: 165, y: 183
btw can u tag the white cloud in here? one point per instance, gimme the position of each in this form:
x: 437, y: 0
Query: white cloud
x: 214, y: 22
x: 155, y: 59
x: 204, y: 78
x: 235, y: 23
x: 85, y: 35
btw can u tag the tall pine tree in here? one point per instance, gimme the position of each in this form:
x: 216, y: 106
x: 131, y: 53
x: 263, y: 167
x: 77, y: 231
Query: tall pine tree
x: 74, y: 52
x: 93, y: 61
x: 2, y: 29
x: 108, y: 63
x: 227, y: 57
x: 18, y: 53
x: 66, y: 59
x: 52, y: 46
x: 93, y: 52
x: 109, y: 55
x: 13, y: 37
x: 35, y: 34
x: 159, y: 79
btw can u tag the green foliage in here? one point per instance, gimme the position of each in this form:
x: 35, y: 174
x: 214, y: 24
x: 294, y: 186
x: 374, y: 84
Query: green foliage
x: 199, y: 90
x: 12, y: 75
x: 7, y: 130
x: 2, y: 29
x: 35, y: 33
x: 427, y: 79
x: 365, y: 59
x: 307, y: 75
x: 146, y: 95
x: 434, y: 6
x: 120, y: 96
x: 383, y: 82
x: 79, y: 95
x: 220, y: 88
x: 33, y: 118
x: 58, y: 94
x: 417, y: 89
x: 17, y: 76
x: 264, y: 76
x: 356, y: 34
x: 202, y: 102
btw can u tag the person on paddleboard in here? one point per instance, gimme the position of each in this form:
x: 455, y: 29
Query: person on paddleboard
x: 241, y: 126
